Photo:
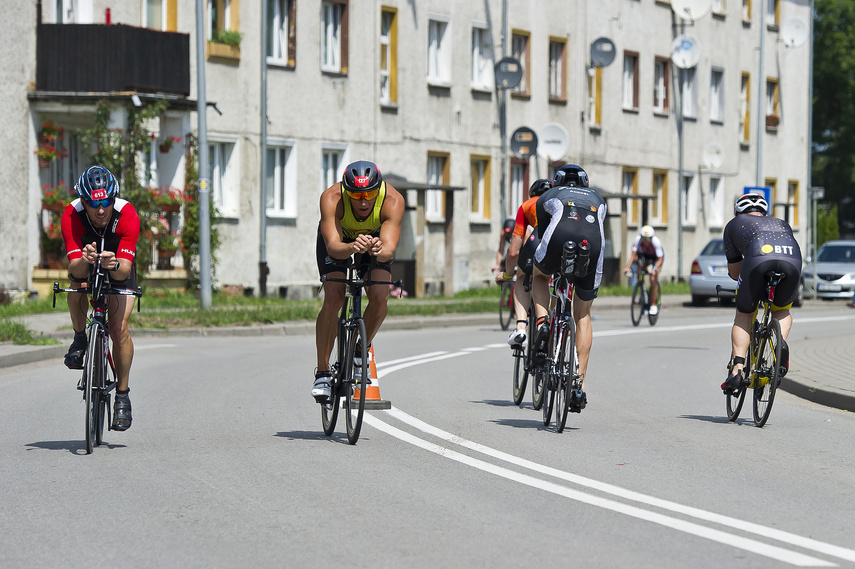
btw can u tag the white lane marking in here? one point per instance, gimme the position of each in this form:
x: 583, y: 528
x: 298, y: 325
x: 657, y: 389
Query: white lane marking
x: 749, y: 527
x: 475, y: 349
x: 414, y: 362
x: 689, y: 327
x: 411, y: 358
x: 750, y: 545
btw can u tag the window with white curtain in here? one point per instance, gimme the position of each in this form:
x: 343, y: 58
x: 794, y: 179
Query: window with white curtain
x: 224, y: 189
x: 715, y: 203
x: 388, y: 57
x: 331, y: 36
x: 771, y: 12
x: 219, y: 19
x: 718, y: 6
x: 482, y: 58
x: 69, y: 11
x: 280, y: 181
x: 332, y: 166
x: 278, y: 29
x: 630, y: 80
x: 690, y: 200
x: 630, y: 187
x: 690, y: 93
x: 154, y: 14
x: 717, y: 95
x: 557, y: 69
x: 660, y: 85
x: 480, y: 189
x: 520, y: 51
x: 518, y: 192
x: 439, y: 52
x: 434, y: 209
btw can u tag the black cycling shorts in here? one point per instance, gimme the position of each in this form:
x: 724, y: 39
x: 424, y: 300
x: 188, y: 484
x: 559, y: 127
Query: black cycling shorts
x: 751, y: 285
x: 327, y: 265
x: 526, y: 258
x: 585, y: 287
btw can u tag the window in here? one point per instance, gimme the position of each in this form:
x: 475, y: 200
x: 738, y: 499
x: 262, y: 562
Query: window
x: 280, y: 181
x: 482, y: 59
x: 630, y: 81
x: 224, y: 190
x: 438, y: 173
x: 792, y: 213
x: 746, y: 11
x: 518, y: 191
x: 223, y: 16
x: 771, y: 13
x: 661, y: 81
x: 520, y: 52
x: 718, y: 7
x: 659, y: 204
x: 281, y: 32
x: 480, y: 188
x: 557, y: 69
x: 717, y: 95
x: 69, y: 11
x: 690, y: 93
x: 629, y: 186
x: 389, y: 56
x: 595, y: 96
x: 690, y: 200
x: 334, y: 36
x: 745, y: 112
x: 773, y: 113
x: 439, y: 53
x: 772, y: 184
x: 715, y: 204
x: 160, y: 15
x: 332, y: 165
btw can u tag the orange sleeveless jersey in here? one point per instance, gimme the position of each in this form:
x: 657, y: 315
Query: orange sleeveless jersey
x: 526, y: 216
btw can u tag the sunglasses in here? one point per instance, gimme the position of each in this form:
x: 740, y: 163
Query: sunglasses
x: 95, y: 204
x: 363, y: 195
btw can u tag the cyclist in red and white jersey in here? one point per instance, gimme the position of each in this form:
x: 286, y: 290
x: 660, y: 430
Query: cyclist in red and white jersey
x: 647, y: 251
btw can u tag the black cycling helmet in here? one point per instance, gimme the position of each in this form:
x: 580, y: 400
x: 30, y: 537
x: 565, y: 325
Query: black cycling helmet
x: 749, y: 203
x: 361, y: 176
x: 97, y: 183
x: 508, y: 225
x: 571, y: 175
x: 538, y: 187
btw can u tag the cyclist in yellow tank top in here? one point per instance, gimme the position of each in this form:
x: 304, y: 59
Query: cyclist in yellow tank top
x: 360, y: 217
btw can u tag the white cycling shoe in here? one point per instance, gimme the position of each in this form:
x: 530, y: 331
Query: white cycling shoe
x: 654, y: 310
x: 517, y: 338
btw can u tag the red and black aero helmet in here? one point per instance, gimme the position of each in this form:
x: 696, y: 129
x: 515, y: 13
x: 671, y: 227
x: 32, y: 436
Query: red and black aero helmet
x: 97, y: 183
x: 361, y: 176
x: 571, y: 175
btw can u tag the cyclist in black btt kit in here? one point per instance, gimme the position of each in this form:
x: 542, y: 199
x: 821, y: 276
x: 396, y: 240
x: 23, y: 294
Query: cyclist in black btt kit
x: 755, y: 244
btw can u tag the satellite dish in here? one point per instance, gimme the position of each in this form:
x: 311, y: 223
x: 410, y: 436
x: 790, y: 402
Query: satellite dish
x: 553, y: 141
x: 524, y: 142
x: 794, y: 32
x: 602, y: 52
x: 713, y: 157
x: 508, y: 73
x: 691, y: 9
x: 685, y: 51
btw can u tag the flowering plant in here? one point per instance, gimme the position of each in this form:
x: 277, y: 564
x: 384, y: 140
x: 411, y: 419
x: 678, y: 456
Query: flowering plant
x: 772, y: 120
x: 57, y: 194
x: 167, y: 143
x: 167, y: 242
x: 46, y: 152
x: 167, y: 196
x: 50, y: 131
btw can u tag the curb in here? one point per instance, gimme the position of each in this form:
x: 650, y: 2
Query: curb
x: 825, y: 397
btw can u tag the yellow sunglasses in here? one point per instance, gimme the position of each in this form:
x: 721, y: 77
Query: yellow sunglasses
x: 363, y: 195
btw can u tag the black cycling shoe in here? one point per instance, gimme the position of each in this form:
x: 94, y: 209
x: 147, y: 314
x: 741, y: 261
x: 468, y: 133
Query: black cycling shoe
x: 74, y: 357
x: 578, y: 401
x: 732, y: 383
x: 122, y: 413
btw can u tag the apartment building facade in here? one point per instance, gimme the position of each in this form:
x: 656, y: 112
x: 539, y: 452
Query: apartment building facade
x: 410, y: 85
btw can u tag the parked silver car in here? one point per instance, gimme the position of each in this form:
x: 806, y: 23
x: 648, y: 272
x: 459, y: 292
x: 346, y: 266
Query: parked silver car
x: 835, y: 270
x: 708, y: 270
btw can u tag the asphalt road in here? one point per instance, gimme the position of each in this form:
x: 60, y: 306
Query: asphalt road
x: 226, y: 464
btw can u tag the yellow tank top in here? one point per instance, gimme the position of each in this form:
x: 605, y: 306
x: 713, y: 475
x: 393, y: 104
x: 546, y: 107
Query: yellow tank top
x: 350, y: 226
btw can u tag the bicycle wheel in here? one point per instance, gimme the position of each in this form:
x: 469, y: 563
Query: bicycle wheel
x: 355, y: 378
x: 550, y: 387
x: 636, y: 309
x: 329, y: 410
x: 520, y: 372
x: 768, y: 358
x: 566, y: 369
x: 506, y: 305
x: 92, y: 370
x: 653, y: 318
x: 737, y: 398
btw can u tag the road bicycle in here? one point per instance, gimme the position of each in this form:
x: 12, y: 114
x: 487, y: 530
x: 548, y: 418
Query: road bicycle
x: 641, y: 298
x: 524, y: 361
x: 762, y: 370
x: 99, y: 378
x: 506, y: 304
x: 351, y: 339
x: 562, y: 383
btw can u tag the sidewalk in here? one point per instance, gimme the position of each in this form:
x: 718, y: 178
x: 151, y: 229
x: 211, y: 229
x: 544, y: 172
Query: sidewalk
x: 819, y: 368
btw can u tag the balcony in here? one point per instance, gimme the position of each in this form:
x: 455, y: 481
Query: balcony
x: 80, y: 58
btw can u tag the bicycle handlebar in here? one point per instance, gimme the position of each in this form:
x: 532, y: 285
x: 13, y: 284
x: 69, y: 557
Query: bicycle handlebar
x: 348, y: 263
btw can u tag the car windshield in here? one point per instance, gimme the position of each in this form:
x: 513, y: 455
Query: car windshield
x: 715, y: 247
x: 837, y: 254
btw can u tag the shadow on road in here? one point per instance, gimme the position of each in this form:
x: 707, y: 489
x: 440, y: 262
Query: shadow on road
x: 716, y: 419
x: 74, y: 447
x: 312, y: 436
x: 496, y: 402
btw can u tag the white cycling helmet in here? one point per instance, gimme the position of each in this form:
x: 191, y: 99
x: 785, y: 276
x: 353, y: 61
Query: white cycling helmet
x: 647, y: 232
x: 749, y: 203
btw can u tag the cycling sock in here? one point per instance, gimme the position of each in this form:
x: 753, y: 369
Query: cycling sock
x: 542, y: 320
x: 79, y: 339
x: 125, y: 392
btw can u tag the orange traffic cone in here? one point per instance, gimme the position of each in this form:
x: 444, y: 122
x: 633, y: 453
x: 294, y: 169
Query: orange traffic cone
x: 373, y: 401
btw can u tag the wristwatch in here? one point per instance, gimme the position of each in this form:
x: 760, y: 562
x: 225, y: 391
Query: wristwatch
x: 116, y: 266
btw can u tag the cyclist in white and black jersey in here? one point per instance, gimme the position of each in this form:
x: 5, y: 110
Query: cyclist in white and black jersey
x: 647, y: 251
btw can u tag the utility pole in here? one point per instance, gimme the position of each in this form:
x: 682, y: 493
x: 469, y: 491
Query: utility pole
x: 204, y: 182
x: 263, y: 270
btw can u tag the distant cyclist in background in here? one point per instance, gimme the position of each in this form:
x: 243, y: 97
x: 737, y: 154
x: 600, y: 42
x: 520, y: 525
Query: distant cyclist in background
x: 647, y: 251
x: 504, y: 239
x: 569, y: 211
x: 755, y: 244
x: 524, y: 241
